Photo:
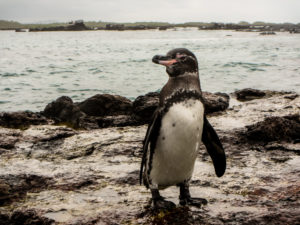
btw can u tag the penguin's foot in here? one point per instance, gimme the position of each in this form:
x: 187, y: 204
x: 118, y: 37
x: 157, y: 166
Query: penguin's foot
x: 197, y: 202
x: 161, y: 203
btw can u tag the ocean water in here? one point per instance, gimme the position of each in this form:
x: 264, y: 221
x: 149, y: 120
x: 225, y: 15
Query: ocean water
x: 37, y: 68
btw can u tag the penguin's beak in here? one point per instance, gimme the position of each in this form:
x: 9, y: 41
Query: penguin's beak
x: 163, y: 60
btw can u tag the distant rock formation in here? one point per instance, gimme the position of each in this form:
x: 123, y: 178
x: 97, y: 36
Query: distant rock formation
x: 267, y: 33
x: 119, y: 27
x: 78, y: 25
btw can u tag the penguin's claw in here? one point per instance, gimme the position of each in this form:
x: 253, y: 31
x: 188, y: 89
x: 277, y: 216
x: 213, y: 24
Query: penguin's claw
x: 163, y: 204
x: 197, y: 202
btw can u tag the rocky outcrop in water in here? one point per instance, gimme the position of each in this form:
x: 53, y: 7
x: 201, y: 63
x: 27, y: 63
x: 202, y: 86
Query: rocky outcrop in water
x: 57, y: 175
x: 101, y: 111
x: 106, y: 105
x: 63, y: 110
x: 145, y: 105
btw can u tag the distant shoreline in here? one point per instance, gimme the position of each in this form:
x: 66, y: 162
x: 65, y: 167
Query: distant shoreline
x: 80, y: 25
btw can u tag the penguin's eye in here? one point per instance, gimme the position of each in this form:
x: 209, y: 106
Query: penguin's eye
x: 183, y: 58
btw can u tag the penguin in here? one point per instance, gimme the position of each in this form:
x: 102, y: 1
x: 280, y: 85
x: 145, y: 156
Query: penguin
x: 178, y: 127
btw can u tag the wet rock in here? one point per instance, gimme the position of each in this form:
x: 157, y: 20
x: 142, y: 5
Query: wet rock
x: 294, y: 117
x: 291, y: 96
x: 7, y: 142
x: 81, y: 151
x: 4, y: 192
x: 215, y: 102
x: 248, y: 94
x: 91, y: 221
x: 28, y: 217
x: 21, y: 120
x: 116, y: 121
x: 8, y: 138
x: 88, y: 123
x: 284, y: 217
x: 4, y: 218
x: 179, y: 215
x: 91, y: 176
x: 44, y: 142
x: 280, y: 159
x: 47, y: 133
x: 14, y: 187
x: 284, y: 146
x: 63, y: 110
x: 131, y: 179
x: 277, y: 218
x: 145, y: 105
x: 75, y: 184
x: 106, y: 105
x: 274, y: 129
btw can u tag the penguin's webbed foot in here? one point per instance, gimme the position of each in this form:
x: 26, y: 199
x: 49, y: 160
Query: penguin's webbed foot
x: 161, y: 203
x: 197, y: 202
x: 186, y: 199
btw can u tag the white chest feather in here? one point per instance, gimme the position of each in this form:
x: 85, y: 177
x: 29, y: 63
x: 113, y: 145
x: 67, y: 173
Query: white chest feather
x: 177, y: 144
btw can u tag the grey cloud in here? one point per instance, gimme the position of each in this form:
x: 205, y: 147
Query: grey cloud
x: 155, y: 10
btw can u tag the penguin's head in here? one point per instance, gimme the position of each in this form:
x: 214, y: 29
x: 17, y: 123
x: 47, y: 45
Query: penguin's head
x: 178, y: 61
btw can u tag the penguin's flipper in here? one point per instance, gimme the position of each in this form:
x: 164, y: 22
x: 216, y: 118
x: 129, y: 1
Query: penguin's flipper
x: 150, y: 138
x: 214, y: 147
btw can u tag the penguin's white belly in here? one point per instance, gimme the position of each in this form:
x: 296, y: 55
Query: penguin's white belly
x: 177, y: 145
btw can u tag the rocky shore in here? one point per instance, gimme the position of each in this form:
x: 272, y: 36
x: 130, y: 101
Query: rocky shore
x: 78, y: 163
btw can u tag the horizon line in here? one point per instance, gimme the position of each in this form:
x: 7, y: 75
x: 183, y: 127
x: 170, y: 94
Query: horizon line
x: 172, y: 23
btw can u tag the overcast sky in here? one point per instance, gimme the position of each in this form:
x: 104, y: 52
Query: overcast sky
x: 174, y: 11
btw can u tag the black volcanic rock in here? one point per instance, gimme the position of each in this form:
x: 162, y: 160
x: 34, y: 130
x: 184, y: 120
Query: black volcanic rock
x: 275, y: 129
x: 215, y: 102
x: 101, y: 110
x: 9, y: 138
x: 63, y: 110
x: 106, y: 105
x: 21, y: 120
x: 145, y: 105
x: 13, y: 187
x: 29, y: 217
x: 248, y: 94
x: 117, y: 121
